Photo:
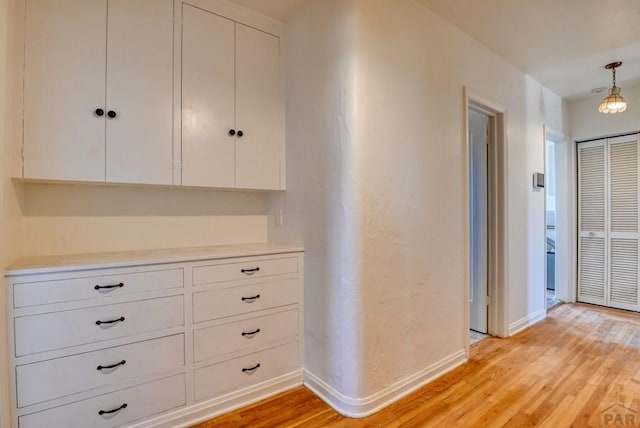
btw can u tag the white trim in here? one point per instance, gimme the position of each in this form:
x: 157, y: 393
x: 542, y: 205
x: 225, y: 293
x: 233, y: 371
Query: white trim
x: 362, y: 407
x: 565, y: 204
x: 498, y: 241
x: 191, y: 415
x: 528, y: 321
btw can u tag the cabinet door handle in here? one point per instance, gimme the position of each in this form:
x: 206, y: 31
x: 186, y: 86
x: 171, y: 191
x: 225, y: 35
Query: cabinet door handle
x: 232, y: 132
x: 250, y: 271
x: 111, y: 321
x: 240, y: 133
x: 251, y: 299
x: 108, y: 287
x: 251, y: 369
x: 250, y: 333
x: 112, y: 366
x: 99, y: 112
x: 112, y: 114
x: 106, y: 412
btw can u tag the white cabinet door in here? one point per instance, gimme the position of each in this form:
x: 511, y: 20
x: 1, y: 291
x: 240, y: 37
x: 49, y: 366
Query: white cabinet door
x: 140, y: 92
x: 259, y: 110
x: 208, y: 99
x: 64, y: 79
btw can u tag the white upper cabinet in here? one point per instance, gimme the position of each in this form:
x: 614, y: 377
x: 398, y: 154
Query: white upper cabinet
x: 232, y: 103
x: 99, y: 90
x: 65, y: 63
x: 118, y: 91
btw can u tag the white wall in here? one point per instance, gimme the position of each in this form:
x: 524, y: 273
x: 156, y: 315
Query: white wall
x: 319, y: 205
x: 67, y: 219
x: 376, y: 188
x: 586, y: 122
x: 11, y: 225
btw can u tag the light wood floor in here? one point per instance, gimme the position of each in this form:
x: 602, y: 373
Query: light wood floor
x: 578, y: 368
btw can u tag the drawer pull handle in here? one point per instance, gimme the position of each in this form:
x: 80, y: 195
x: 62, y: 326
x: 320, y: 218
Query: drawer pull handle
x: 251, y: 369
x: 111, y: 321
x: 251, y: 299
x: 108, y: 287
x: 106, y: 412
x: 112, y: 366
x: 250, y: 333
x: 250, y: 271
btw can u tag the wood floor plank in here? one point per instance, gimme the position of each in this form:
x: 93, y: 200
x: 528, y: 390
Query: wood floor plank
x: 570, y: 370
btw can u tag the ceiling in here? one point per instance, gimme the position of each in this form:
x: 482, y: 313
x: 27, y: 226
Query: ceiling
x: 564, y: 44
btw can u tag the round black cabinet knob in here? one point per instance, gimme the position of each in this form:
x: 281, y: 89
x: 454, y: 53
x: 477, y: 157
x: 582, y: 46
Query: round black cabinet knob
x: 112, y: 114
x: 240, y: 133
x: 99, y: 112
x: 232, y: 132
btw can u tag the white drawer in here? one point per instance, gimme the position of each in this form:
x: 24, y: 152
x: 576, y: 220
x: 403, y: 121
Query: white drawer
x: 141, y: 401
x: 215, y: 273
x: 240, y: 372
x: 51, y: 379
x: 91, y: 287
x: 224, y: 302
x: 44, y: 332
x: 255, y: 332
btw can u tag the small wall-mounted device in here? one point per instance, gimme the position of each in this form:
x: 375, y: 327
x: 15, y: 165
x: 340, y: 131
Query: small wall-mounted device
x: 538, y: 180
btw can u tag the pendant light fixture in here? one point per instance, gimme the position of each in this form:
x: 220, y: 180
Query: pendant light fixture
x: 614, y: 102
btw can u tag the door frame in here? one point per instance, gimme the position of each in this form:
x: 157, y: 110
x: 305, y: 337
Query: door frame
x: 497, y: 215
x: 566, y: 192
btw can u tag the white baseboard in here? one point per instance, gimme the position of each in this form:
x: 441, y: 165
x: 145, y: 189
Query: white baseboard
x: 528, y: 321
x: 362, y: 407
x: 200, y: 412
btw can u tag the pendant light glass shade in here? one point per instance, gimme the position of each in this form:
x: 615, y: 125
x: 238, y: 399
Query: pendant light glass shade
x: 614, y: 102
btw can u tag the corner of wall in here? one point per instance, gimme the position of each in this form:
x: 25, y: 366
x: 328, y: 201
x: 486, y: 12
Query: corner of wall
x: 527, y: 321
x: 366, y: 406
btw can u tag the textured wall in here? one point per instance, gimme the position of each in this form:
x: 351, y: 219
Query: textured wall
x: 320, y: 206
x: 375, y: 186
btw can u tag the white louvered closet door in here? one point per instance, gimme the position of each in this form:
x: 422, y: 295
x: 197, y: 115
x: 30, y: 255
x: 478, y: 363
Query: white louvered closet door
x: 592, y: 197
x: 608, y: 222
x: 623, y: 223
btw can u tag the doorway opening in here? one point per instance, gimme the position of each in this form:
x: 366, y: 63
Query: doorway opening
x: 485, y: 293
x: 551, y: 223
x: 479, y: 145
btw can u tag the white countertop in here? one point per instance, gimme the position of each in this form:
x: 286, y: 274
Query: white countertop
x: 48, y: 264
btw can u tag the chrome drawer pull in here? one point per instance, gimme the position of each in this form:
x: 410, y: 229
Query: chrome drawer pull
x: 108, y: 287
x: 106, y: 412
x: 251, y: 369
x: 110, y: 322
x: 251, y: 299
x: 250, y: 271
x: 112, y: 366
x: 250, y: 333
